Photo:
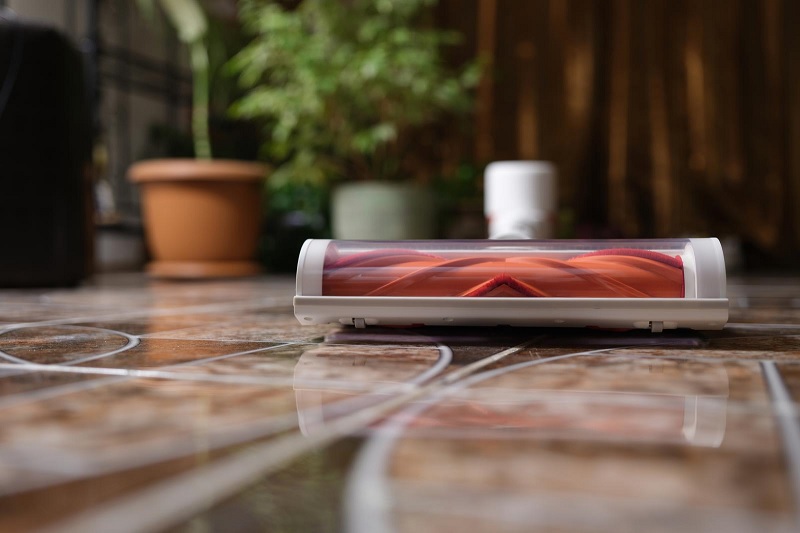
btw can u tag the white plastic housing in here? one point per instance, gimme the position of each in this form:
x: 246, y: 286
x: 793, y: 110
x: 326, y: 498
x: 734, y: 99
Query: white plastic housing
x: 649, y: 284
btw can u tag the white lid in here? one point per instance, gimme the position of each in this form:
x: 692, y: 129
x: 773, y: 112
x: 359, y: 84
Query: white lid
x: 513, y: 188
x: 520, y: 167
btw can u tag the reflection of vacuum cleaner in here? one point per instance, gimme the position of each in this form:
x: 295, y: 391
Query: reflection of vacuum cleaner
x: 648, y: 284
x: 667, y: 410
x: 663, y: 408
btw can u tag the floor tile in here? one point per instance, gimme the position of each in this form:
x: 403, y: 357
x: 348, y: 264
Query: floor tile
x: 211, y: 407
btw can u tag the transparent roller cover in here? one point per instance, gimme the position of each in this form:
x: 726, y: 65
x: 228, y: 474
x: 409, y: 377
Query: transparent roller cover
x: 651, y: 284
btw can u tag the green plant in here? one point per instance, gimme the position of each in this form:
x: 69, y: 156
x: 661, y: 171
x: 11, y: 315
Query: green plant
x: 342, y: 84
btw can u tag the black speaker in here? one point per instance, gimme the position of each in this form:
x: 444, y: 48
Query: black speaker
x: 46, y: 207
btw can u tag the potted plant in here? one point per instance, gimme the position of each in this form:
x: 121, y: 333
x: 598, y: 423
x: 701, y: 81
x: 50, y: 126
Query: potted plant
x: 343, y: 88
x: 202, y: 215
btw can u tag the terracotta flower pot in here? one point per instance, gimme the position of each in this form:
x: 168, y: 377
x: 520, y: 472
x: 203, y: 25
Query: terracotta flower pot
x: 201, y: 218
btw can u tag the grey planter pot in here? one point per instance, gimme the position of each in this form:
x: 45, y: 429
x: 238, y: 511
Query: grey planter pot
x: 383, y: 211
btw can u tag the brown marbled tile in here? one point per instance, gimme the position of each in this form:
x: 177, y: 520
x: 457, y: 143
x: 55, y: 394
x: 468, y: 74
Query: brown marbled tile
x: 364, y: 363
x: 790, y: 373
x: 34, y: 509
x: 19, y: 383
x: 462, y: 354
x: 139, y: 297
x: 765, y: 301
x: 306, y: 495
x: 426, y: 509
x: 266, y: 327
x: 331, y: 381
x: 351, y: 367
x: 157, y: 323
x: 603, y: 398
x: 601, y: 434
x: 132, y: 423
x: 315, y: 377
x: 162, y: 352
x: 28, y: 312
x: 763, y: 285
x: 766, y: 315
x: 739, y: 330
x: 70, y: 344
x: 23, y: 312
x: 669, y: 432
x: 750, y: 348
x: 277, y: 361
x: 136, y: 421
x: 141, y: 292
x: 608, y: 480
x: 611, y: 373
x: 746, y: 383
x: 468, y: 345
x: 661, y: 371
x: 59, y: 344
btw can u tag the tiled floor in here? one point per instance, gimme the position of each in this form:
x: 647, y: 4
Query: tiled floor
x: 130, y: 405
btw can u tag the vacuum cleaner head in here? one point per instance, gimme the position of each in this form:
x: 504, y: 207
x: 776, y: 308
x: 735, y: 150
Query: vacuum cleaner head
x: 648, y: 284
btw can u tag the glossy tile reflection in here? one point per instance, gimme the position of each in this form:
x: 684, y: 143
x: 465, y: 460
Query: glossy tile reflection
x: 212, y: 398
x: 591, y: 398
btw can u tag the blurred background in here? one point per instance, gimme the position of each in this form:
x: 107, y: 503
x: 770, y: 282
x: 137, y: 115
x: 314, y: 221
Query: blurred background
x: 664, y: 118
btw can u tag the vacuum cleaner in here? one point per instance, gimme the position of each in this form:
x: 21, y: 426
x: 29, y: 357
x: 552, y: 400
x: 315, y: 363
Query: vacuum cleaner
x: 655, y: 284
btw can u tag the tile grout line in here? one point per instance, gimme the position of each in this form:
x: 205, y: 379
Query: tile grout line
x: 788, y: 426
